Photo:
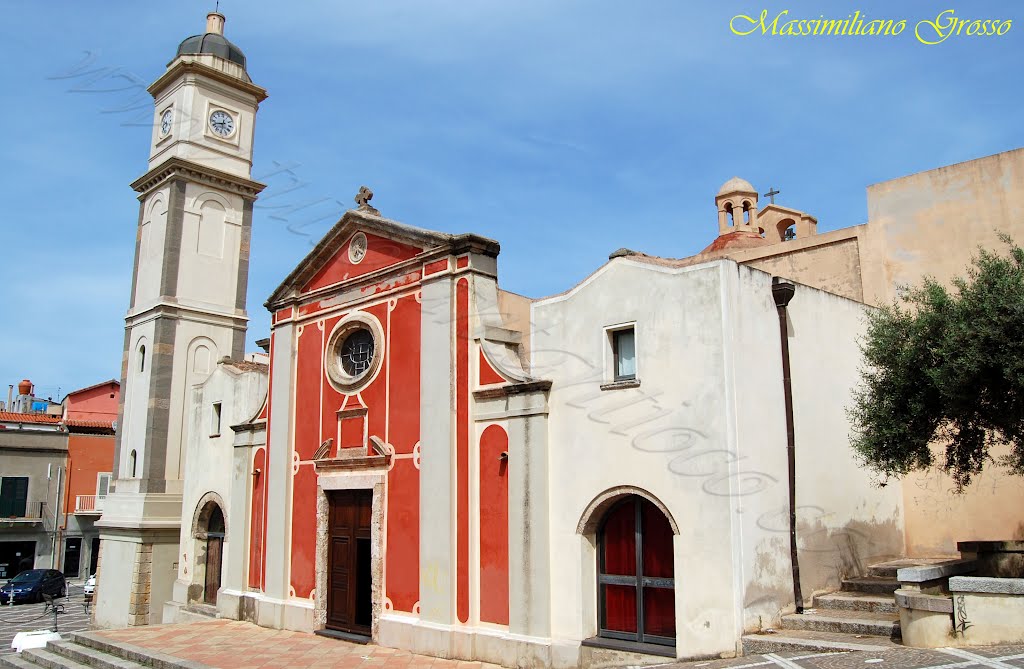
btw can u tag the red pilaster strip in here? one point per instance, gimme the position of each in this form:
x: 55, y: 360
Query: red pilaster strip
x: 462, y: 446
x: 494, y: 525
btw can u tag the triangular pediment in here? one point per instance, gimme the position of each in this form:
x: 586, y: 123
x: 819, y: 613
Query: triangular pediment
x: 333, y: 260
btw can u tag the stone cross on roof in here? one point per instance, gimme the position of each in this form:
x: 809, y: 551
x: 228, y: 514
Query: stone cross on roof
x: 772, y: 193
x: 363, y: 198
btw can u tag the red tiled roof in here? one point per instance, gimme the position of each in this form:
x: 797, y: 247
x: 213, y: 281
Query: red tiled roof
x: 93, y: 426
x: 39, y: 418
x: 734, y: 241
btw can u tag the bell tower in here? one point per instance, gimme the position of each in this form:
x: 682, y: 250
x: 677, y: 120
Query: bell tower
x: 186, y: 311
x: 737, y: 207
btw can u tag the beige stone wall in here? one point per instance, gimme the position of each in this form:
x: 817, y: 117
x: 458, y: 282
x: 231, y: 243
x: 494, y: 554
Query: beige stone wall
x: 515, y: 314
x: 829, y: 262
x: 937, y: 517
x: 932, y: 223
x: 929, y: 223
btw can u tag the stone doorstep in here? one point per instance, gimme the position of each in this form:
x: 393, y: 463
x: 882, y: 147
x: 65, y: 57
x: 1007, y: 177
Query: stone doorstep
x: 937, y: 571
x: 986, y: 585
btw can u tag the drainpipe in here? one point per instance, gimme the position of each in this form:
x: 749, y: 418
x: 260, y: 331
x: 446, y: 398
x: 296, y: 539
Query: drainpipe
x: 782, y: 293
x: 56, y: 520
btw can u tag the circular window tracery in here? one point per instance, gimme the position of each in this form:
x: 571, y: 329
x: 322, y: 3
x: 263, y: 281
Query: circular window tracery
x: 354, y: 352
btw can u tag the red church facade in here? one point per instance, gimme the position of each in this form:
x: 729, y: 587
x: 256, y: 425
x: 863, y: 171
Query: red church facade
x: 377, y: 328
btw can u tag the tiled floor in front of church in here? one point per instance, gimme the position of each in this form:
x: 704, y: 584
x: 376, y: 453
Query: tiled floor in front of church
x: 238, y: 645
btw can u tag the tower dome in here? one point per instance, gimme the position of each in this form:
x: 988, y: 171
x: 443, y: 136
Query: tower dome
x: 736, y: 185
x: 213, y: 42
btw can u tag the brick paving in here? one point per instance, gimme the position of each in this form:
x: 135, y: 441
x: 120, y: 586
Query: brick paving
x: 29, y: 617
x: 237, y: 645
x: 230, y: 644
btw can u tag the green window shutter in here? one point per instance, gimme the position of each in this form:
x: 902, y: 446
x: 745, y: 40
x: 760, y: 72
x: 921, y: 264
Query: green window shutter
x: 13, y: 496
x: 20, y: 496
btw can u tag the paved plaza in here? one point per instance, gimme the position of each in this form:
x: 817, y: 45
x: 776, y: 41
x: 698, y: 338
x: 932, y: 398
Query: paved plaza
x: 239, y: 645
x: 28, y: 617
x: 228, y: 644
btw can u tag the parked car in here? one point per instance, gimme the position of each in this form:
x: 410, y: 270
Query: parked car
x: 31, y: 585
x: 90, y: 585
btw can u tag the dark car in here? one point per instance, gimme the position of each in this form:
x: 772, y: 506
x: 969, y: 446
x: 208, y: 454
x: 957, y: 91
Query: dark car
x: 31, y: 585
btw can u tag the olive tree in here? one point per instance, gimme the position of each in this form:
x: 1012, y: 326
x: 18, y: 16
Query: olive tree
x: 944, y: 367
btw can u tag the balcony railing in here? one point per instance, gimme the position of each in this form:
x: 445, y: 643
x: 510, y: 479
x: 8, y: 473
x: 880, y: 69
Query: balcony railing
x: 89, y: 504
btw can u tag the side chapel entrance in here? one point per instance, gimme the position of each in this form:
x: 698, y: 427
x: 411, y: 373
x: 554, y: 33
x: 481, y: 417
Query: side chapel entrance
x: 214, y: 554
x: 349, y: 580
x: 636, y: 583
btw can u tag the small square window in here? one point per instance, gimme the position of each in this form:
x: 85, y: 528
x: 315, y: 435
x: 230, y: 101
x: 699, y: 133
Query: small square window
x: 624, y: 354
x: 215, y: 420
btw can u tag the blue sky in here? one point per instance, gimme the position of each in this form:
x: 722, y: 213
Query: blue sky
x: 564, y: 129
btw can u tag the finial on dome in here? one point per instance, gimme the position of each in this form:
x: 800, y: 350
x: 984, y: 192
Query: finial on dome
x: 215, y: 22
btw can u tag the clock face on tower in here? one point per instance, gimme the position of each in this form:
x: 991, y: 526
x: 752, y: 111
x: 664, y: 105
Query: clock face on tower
x: 221, y: 123
x: 165, y: 122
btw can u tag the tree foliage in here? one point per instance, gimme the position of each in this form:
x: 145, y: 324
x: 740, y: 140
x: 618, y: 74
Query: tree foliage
x: 946, y: 368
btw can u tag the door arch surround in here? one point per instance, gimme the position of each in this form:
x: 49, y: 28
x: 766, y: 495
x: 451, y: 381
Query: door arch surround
x: 628, y: 539
x: 209, y: 533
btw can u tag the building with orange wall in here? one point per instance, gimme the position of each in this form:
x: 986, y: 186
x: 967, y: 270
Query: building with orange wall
x: 90, y: 415
x: 55, y: 471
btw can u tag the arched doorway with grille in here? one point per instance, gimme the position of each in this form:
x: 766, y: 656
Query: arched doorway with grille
x: 635, y: 573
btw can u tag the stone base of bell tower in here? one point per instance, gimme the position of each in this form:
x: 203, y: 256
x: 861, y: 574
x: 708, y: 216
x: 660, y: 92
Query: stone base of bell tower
x: 138, y: 563
x: 135, y: 576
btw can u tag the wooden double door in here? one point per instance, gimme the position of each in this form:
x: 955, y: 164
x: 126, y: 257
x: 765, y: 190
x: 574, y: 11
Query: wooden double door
x: 349, y: 599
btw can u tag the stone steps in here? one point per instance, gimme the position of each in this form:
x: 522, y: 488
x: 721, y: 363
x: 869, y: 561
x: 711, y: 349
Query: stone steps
x: 46, y: 658
x: 87, y: 650
x: 90, y: 656
x: 810, y: 641
x: 871, y: 585
x: 861, y: 616
x: 863, y: 623
x: 856, y: 601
